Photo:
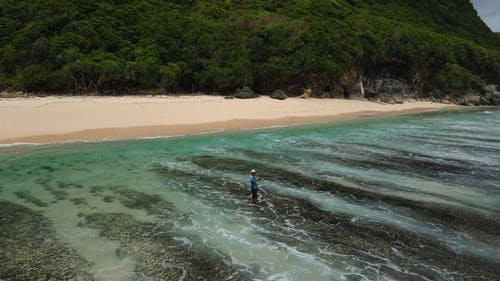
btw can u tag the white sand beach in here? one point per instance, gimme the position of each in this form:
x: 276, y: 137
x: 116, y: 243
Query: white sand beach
x: 85, y: 118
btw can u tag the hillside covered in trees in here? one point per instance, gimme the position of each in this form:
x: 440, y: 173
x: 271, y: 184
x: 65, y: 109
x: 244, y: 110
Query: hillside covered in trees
x: 436, y: 46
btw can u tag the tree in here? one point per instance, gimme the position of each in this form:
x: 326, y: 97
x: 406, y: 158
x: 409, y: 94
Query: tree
x: 169, y: 75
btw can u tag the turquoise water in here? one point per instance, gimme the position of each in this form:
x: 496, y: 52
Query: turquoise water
x: 409, y: 197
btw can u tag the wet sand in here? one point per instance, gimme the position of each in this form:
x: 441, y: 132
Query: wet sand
x: 59, y: 119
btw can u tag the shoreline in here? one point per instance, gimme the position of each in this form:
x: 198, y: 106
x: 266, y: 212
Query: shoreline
x: 79, y: 119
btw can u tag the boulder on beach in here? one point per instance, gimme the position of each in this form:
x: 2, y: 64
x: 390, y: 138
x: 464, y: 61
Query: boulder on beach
x: 399, y: 99
x: 385, y: 98
x: 279, y: 95
x: 245, y: 93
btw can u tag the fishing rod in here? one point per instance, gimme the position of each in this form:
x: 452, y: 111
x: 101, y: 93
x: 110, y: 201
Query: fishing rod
x: 273, y: 156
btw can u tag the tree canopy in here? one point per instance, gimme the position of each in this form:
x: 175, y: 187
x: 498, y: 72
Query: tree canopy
x: 208, y: 45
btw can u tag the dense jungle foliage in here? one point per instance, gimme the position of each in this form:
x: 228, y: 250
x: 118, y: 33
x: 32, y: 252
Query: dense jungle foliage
x: 218, y: 46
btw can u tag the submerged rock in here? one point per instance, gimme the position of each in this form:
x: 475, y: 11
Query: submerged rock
x: 29, y: 249
x: 79, y: 201
x: 281, y: 214
x: 108, y: 199
x: 58, y: 194
x: 96, y: 189
x: 279, y: 95
x: 159, y: 253
x: 449, y: 215
x: 66, y: 185
x: 152, y: 204
x: 28, y: 197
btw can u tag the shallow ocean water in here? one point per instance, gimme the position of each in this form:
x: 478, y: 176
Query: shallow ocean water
x: 407, y: 197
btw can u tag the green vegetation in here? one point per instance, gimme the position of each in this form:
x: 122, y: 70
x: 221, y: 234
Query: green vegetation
x: 207, y: 45
x: 455, y: 77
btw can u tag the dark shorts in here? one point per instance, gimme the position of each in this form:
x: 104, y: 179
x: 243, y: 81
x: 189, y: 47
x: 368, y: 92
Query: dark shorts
x: 254, y: 192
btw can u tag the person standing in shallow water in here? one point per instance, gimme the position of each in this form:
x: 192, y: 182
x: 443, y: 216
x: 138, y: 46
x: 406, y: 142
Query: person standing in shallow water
x: 253, y: 184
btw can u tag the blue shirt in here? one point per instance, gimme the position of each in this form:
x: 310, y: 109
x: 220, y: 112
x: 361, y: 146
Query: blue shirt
x: 253, y: 182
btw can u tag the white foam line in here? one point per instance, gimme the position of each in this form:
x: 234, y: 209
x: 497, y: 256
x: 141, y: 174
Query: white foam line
x: 217, y: 131
x: 52, y: 143
x: 19, y: 144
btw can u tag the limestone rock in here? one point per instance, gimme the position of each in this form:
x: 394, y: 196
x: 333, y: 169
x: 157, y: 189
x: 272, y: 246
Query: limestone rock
x: 471, y: 99
x: 357, y: 92
x: 495, y: 99
x: 398, y: 99
x: 492, y: 94
x: 389, y: 90
x: 308, y: 93
x: 491, y: 89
